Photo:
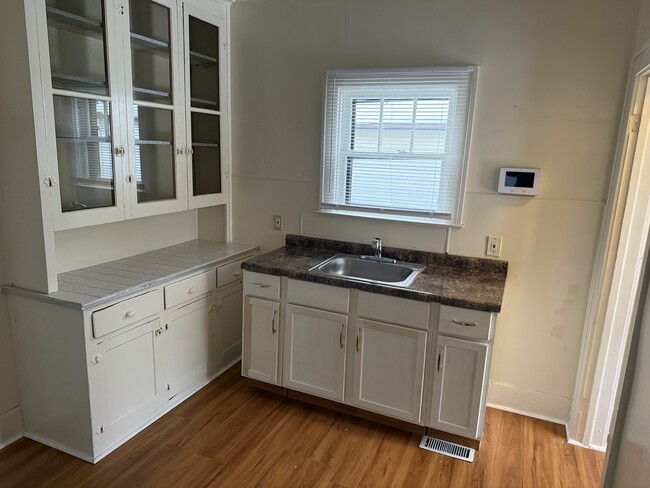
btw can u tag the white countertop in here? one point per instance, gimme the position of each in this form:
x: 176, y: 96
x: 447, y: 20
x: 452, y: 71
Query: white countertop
x: 89, y: 287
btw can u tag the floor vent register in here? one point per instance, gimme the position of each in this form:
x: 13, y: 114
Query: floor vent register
x: 447, y: 448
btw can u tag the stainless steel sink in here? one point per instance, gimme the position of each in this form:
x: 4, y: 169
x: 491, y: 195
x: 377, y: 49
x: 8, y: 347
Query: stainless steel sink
x: 369, y: 270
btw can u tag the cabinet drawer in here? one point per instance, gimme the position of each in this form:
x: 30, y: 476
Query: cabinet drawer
x: 261, y: 285
x: 394, y: 310
x: 230, y: 273
x: 318, y: 296
x: 464, y: 322
x: 125, y: 313
x: 189, y: 288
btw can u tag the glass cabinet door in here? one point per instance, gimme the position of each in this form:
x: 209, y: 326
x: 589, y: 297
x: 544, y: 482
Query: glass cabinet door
x: 154, y: 105
x: 83, y: 105
x: 204, y: 73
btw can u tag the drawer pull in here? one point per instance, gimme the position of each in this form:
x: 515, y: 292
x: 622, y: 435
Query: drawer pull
x: 262, y: 285
x: 191, y: 290
x: 237, y: 273
x: 465, y: 324
x: 129, y: 313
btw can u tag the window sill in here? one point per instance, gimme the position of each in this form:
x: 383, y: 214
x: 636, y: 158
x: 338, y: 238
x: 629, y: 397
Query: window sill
x: 393, y: 218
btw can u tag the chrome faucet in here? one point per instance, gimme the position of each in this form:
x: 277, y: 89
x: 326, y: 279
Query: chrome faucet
x: 376, y: 246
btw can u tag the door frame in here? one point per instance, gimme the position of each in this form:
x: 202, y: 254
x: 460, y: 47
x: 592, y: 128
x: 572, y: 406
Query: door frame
x: 616, y: 279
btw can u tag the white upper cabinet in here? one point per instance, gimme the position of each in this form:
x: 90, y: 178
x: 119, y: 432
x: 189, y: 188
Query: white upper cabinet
x: 135, y: 96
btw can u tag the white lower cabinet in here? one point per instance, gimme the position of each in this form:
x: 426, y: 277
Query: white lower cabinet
x: 128, y: 390
x: 459, y: 386
x: 185, y: 345
x: 314, y: 351
x: 370, y: 350
x: 389, y: 369
x: 261, y: 340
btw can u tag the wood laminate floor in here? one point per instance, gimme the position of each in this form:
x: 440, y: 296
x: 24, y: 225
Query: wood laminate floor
x: 232, y: 435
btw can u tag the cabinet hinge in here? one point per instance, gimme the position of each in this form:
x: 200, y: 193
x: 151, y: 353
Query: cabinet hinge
x: 95, y: 359
x: 635, y: 121
x: 100, y: 429
x: 168, y: 387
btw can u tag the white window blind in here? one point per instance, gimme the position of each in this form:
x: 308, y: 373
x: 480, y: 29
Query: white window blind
x: 395, y: 142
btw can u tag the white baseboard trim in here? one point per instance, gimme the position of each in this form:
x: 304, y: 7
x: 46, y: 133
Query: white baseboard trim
x: 536, y: 404
x: 580, y: 444
x: 11, y: 426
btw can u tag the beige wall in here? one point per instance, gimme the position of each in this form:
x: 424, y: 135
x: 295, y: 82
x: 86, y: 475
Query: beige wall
x: 643, y: 30
x: 10, y: 416
x: 551, y: 85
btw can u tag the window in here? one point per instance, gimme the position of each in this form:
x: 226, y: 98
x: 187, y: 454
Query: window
x: 395, y: 142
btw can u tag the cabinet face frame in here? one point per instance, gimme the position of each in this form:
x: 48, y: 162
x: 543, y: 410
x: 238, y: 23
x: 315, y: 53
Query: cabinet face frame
x: 338, y: 323
x: 198, y: 201
x: 417, y: 395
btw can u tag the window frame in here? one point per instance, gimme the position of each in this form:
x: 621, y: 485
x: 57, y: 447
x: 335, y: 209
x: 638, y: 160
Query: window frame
x: 339, y: 143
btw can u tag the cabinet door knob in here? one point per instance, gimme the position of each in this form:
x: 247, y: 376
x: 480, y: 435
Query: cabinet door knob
x: 465, y: 324
x: 341, y: 336
x: 129, y: 313
x: 358, y: 345
x: 273, y: 329
x: 191, y: 290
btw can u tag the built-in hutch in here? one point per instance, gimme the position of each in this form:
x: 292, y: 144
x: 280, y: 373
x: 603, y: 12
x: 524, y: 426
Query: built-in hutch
x: 116, y: 111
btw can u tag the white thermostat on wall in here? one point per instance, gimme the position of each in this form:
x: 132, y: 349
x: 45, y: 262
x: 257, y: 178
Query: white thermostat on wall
x: 519, y: 181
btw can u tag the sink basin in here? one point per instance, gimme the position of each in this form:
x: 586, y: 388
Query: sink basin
x: 368, y: 270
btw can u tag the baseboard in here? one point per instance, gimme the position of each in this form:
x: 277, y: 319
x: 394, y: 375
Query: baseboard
x: 536, y: 404
x: 11, y: 426
x: 580, y: 444
x: 59, y: 447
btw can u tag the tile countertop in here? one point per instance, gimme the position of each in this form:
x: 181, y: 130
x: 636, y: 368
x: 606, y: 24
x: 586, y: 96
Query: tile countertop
x: 458, y: 281
x: 89, y: 287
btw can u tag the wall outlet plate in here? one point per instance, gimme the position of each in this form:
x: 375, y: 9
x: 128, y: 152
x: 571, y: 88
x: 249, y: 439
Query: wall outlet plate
x: 493, y: 247
x: 277, y: 222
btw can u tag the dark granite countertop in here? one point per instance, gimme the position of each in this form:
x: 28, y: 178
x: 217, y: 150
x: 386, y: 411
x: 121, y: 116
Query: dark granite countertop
x: 459, y: 281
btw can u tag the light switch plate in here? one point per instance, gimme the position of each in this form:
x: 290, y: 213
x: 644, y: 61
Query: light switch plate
x: 493, y: 247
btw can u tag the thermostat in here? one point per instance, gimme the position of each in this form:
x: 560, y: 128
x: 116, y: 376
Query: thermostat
x: 519, y: 181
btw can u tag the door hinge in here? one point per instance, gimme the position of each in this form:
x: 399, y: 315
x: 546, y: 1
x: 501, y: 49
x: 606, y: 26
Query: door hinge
x: 635, y: 121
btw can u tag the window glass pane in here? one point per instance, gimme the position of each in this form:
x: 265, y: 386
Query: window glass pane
x: 154, y: 154
x: 206, y: 157
x: 84, y: 149
x: 396, y: 126
x: 150, y: 51
x: 77, y: 45
x: 366, y: 121
x: 204, y: 64
x: 430, y: 128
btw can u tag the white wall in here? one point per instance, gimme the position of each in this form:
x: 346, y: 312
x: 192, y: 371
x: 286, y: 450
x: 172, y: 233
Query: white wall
x: 551, y: 85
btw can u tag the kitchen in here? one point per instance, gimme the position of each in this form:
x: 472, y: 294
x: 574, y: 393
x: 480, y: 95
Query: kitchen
x: 550, y: 92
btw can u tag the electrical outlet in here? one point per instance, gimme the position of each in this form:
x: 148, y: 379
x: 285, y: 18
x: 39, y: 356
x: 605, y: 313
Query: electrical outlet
x: 277, y: 222
x: 493, y: 247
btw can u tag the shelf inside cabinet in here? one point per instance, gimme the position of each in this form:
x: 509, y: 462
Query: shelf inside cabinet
x: 149, y: 43
x: 83, y: 140
x: 74, y: 83
x: 74, y: 20
x: 205, y: 144
x: 147, y: 91
x: 199, y: 58
x: 203, y: 101
x: 153, y: 142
